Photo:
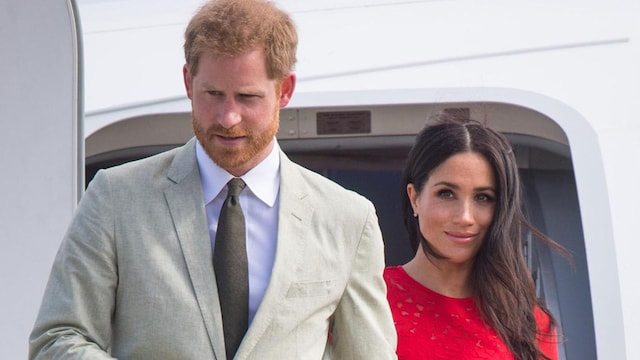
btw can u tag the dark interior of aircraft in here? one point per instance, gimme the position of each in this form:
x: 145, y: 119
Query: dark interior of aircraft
x: 551, y: 204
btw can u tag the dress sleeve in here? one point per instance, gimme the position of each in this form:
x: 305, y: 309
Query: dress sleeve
x: 547, y: 335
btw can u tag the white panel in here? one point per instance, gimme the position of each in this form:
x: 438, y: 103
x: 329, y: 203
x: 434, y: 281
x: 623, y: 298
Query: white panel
x: 38, y: 152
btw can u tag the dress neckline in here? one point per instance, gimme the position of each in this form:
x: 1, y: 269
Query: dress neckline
x: 420, y: 287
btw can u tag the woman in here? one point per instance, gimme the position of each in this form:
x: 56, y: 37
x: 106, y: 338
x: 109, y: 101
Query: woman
x: 467, y: 293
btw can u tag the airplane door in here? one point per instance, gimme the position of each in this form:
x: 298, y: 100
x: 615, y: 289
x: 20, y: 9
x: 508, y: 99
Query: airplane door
x: 40, y: 151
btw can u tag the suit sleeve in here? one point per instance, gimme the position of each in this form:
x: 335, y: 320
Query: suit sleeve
x: 363, y: 326
x: 74, y: 321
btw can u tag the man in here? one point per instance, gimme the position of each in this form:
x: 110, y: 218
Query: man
x: 140, y: 271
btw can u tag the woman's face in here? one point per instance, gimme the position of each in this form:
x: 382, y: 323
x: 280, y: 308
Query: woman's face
x: 456, y: 206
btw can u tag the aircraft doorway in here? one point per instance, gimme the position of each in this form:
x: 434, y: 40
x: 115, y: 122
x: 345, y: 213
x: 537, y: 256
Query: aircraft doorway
x: 371, y: 164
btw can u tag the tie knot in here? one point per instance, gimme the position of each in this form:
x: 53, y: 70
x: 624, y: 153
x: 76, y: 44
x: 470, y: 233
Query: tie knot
x: 235, y: 186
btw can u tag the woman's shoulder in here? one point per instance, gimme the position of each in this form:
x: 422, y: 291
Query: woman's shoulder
x: 397, y: 281
x: 395, y: 275
x: 393, y: 271
x: 547, y: 335
x: 543, y: 320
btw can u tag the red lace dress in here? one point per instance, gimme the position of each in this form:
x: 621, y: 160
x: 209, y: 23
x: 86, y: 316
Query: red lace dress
x: 434, y: 326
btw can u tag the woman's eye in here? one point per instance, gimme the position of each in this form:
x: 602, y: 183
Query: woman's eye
x: 484, y: 198
x: 445, y: 194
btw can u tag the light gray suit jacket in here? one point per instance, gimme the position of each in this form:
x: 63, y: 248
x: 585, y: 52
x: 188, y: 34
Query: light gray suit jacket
x: 134, y: 279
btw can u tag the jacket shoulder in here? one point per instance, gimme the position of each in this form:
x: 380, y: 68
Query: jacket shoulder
x: 145, y: 170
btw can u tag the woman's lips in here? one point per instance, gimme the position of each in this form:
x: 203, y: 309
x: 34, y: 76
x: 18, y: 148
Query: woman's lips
x: 461, y: 237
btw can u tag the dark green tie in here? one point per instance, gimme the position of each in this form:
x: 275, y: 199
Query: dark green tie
x: 230, y: 266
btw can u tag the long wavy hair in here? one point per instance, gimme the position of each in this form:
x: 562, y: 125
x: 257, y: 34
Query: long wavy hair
x: 503, y: 287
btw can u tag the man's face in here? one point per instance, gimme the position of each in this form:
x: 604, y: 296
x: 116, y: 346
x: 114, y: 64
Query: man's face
x: 235, y: 108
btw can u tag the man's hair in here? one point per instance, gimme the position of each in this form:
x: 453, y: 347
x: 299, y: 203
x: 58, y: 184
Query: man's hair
x: 232, y: 27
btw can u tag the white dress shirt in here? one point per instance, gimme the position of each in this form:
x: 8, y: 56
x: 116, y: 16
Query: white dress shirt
x: 259, y: 202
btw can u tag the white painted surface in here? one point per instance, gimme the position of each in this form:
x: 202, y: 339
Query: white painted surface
x: 575, y: 62
x: 38, y: 154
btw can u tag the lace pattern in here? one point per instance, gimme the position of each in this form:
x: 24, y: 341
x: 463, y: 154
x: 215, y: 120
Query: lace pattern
x: 433, y: 326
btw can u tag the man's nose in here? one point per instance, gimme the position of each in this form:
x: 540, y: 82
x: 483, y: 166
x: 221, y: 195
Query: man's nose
x: 229, y: 114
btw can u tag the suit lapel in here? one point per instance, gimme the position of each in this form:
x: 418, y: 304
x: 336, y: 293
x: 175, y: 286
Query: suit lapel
x: 185, y: 200
x: 294, y: 218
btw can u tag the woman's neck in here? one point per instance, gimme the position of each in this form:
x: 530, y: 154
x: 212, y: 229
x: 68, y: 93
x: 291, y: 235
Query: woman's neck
x: 440, y: 275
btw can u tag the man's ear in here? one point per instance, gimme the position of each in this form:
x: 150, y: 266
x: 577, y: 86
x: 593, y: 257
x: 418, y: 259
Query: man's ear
x: 286, y: 89
x: 187, y: 81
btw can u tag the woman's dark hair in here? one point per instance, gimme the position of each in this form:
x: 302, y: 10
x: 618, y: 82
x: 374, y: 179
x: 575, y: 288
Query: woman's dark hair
x: 506, y: 297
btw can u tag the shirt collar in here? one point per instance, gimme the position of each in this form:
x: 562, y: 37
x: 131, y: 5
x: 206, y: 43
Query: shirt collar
x: 263, y: 180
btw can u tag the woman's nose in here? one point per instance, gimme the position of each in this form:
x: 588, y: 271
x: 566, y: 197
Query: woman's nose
x: 465, y: 212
